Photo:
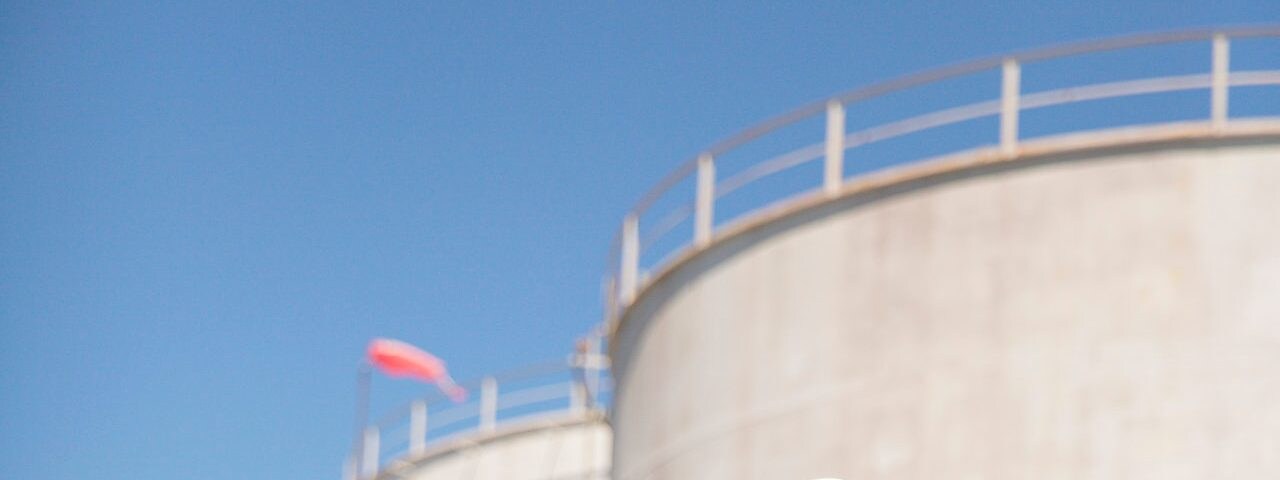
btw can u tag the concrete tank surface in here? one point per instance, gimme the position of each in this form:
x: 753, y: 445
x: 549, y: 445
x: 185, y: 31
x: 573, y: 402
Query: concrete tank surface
x: 566, y: 450
x: 1101, y: 312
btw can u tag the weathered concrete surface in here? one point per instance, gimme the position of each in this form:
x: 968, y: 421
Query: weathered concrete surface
x: 566, y: 451
x: 1069, y: 317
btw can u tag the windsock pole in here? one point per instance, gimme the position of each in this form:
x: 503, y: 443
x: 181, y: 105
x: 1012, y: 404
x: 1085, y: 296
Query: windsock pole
x: 364, y: 375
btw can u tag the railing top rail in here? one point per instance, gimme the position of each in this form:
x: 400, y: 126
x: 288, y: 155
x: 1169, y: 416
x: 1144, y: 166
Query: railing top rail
x: 937, y: 74
x: 529, y: 372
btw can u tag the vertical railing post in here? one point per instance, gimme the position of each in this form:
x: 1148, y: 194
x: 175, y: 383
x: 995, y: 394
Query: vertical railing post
x: 578, y: 393
x: 834, y: 167
x: 610, y: 297
x: 488, y: 404
x: 1009, y: 92
x: 418, y: 427
x: 1221, y: 69
x: 629, y: 270
x: 596, y: 364
x: 581, y: 393
x: 704, y: 203
x: 369, y: 463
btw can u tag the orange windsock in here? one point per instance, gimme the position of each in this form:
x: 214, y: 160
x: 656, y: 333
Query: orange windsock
x: 399, y: 359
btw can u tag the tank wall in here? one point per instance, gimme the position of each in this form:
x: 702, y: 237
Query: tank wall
x: 578, y: 451
x: 1109, y: 317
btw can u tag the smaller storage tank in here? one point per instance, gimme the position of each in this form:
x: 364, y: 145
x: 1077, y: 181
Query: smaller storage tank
x: 544, y: 422
x: 569, y: 447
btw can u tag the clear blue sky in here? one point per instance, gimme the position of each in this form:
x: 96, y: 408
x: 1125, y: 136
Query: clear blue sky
x: 206, y: 211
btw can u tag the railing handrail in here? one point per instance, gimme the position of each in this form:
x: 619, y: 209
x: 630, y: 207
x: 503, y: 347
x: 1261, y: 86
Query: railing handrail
x: 432, y: 398
x: 624, y: 274
x: 936, y: 74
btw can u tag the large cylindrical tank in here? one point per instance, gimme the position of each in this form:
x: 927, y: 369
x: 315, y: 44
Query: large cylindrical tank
x: 1107, y: 311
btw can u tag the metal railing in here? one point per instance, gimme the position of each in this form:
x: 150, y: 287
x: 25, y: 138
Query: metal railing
x: 576, y: 388
x: 627, y: 276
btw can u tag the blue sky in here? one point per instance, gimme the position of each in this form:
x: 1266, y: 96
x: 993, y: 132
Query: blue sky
x: 207, y: 210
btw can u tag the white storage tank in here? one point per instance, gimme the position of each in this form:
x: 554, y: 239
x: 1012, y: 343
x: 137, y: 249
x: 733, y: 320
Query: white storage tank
x: 1096, y: 304
x: 542, y: 422
x: 564, y: 448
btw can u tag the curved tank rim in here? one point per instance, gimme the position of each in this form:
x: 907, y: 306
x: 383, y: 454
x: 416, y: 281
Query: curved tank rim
x: 477, y: 439
x: 920, y: 173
